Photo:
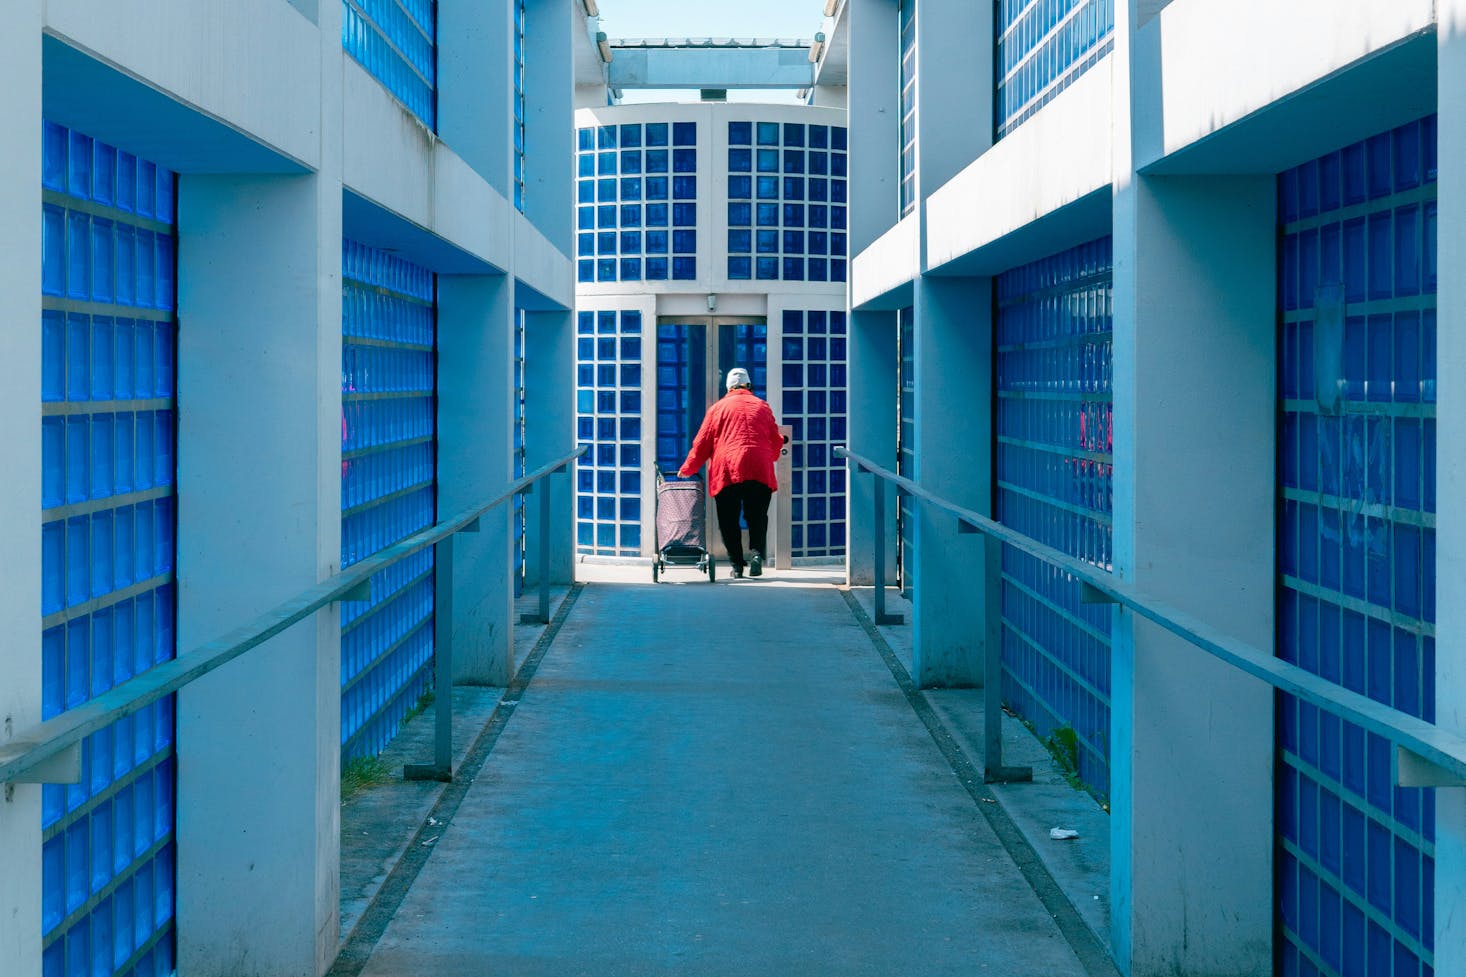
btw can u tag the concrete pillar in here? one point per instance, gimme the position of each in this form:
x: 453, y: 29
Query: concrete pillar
x: 549, y: 420
x: 475, y: 86
x: 1195, y: 415
x: 550, y: 95
x: 954, y: 111
x: 475, y: 463
x: 20, y: 489
x: 953, y: 353
x: 875, y: 120
x: 873, y: 397
x: 1450, y: 690
x: 259, y: 520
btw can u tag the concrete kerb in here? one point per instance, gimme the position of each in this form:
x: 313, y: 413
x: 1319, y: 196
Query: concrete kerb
x: 1080, y: 867
x: 380, y: 822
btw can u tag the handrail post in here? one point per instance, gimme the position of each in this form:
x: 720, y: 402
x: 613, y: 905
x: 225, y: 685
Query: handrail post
x: 879, y: 517
x: 441, y: 768
x: 994, y: 772
x: 542, y: 615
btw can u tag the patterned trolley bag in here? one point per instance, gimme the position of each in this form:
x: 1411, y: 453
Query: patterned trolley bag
x: 681, y: 517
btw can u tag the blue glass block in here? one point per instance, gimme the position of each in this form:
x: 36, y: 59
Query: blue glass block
x: 586, y: 191
x: 768, y: 161
x: 793, y: 188
x: 657, y: 242
x: 684, y: 161
x: 656, y: 269
x: 606, y: 137
x: 630, y: 188
x: 793, y: 161
x: 768, y: 242
x: 656, y: 161
x: 684, y: 215
x: 740, y: 268
x: 631, y: 162
x: 630, y: 136
x: 768, y: 215
x: 740, y: 133
x: 768, y: 188
x: 586, y: 165
x: 768, y: 133
x: 684, y: 133
x: 838, y: 191
x: 740, y: 240
x: 585, y: 139
x: 819, y: 164
x: 793, y: 215
x: 684, y: 268
x: 740, y: 214
x: 838, y: 135
x: 684, y: 188
x: 819, y: 190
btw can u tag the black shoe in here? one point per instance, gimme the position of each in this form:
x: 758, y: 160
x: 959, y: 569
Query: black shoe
x: 737, y: 572
x: 756, y: 564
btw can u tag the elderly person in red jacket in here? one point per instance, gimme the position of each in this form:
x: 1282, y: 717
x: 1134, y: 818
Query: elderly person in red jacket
x: 742, y: 439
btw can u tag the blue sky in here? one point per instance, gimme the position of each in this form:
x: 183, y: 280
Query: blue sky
x: 711, y: 18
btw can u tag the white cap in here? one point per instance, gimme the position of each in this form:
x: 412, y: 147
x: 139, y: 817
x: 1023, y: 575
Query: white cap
x: 738, y: 377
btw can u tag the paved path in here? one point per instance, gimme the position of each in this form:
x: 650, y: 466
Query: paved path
x: 718, y: 780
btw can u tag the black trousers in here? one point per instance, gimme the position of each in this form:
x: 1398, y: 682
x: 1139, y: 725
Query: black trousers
x: 752, y: 499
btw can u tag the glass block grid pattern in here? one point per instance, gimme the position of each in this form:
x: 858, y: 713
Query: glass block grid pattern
x: 787, y: 197
x: 637, y: 202
x: 1356, y: 549
x: 519, y: 109
x: 681, y: 368
x: 396, y: 41
x: 907, y: 20
x: 745, y: 344
x: 906, y: 446
x: 109, y: 522
x: 388, y: 489
x: 813, y: 358
x: 1043, y: 47
x: 1055, y: 476
x: 608, y: 420
x: 519, y: 456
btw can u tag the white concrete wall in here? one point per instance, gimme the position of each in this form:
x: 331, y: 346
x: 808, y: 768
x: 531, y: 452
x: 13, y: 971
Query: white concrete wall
x: 20, y: 490
x: 208, y: 58
x: 283, y: 144
x: 1450, y: 692
x: 1221, y: 61
x: 1030, y: 174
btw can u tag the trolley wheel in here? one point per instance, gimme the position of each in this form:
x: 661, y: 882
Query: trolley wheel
x: 712, y: 573
x: 656, y: 570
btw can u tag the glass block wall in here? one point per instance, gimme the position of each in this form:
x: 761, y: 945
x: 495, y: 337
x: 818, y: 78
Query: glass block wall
x: 907, y: 18
x: 397, y: 42
x: 519, y: 454
x: 906, y: 445
x: 745, y: 344
x: 787, y: 197
x: 608, y: 420
x: 814, y: 405
x: 1054, y: 483
x: 681, y: 369
x: 108, y: 345
x: 1356, y: 549
x: 1042, y: 47
x: 637, y: 202
x: 519, y: 105
x: 388, y: 489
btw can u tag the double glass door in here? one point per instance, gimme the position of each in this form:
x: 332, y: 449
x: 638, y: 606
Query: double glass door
x: 694, y: 356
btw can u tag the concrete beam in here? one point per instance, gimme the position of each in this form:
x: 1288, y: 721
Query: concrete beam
x: 711, y: 67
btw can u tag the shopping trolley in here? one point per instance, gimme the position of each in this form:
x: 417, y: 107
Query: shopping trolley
x: 681, y: 526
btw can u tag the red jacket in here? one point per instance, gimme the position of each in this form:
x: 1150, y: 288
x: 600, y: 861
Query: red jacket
x: 741, y: 437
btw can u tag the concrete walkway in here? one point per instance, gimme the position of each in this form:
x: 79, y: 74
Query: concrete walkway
x: 717, y: 779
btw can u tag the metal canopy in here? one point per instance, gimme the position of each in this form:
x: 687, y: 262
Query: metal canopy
x: 710, y: 63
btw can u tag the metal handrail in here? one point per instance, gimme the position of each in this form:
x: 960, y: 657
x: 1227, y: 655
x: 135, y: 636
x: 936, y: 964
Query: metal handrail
x: 1428, y: 756
x: 50, y: 751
